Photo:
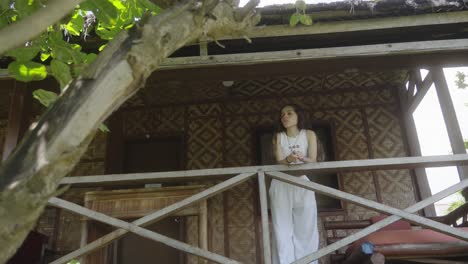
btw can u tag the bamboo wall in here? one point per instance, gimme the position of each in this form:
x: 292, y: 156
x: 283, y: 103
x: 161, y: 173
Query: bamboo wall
x: 219, y: 125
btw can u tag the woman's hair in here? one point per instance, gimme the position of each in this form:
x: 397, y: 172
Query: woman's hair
x: 301, y: 119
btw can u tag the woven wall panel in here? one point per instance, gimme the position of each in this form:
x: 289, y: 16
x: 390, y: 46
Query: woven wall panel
x: 216, y: 223
x: 46, y: 224
x: 159, y: 121
x: 205, y: 144
x: 238, y: 142
x: 203, y: 110
x: 69, y: 234
x: 386, y: 141
x: 350, y: 135
x: 340, y: 81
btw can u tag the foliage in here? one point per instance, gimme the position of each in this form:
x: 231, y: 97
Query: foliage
x: 73, y: 262
x: 457, y: 203
x: 460, y: 81
x: 54, y: 53
x: 300, y: 15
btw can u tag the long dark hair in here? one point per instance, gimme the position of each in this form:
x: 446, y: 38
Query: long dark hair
x: 301, y: 118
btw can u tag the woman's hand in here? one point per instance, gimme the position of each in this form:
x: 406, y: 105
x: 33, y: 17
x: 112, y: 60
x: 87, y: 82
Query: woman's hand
x: 293, y: 157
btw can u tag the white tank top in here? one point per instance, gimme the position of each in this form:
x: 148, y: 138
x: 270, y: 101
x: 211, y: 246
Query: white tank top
x: 290, y: 144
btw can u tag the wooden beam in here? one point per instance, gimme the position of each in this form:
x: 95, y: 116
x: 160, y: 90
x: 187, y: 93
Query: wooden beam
x: 434, y: 19
x: 131, y: 227
x: 415, y: 150
x: 18, y: 117
x: 324, y: 167
x: 390, y: 49
x: 366, y: 231
x: 450, y: 117
x: 372, y: 205
x: 423, y: 88
x: 155, y: 216
x: 265, y: 221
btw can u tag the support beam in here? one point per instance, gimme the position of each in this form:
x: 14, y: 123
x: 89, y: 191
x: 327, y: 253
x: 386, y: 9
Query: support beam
x: 18, y: 117
x: 450, y: 117
x: 131, y: 227
x: 366, y: 231
x: 390, y: 49
x: 264, y: 213
x: 423, y: 88
x: 415, y: 150
x: 322, y: 167
x: 357, y: 25
x: 154, y: 217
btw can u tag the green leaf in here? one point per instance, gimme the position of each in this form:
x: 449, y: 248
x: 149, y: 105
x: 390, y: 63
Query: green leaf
x: 75, y: 25
x: 24, y: 53
x: 73, y: 261
x: 104, y: 10
x: 294, y: 19
x: 104, y: 128
x: 300, y: 5
x: 25, y: 8
x: 45, y: 56
x: 46, y: 98
x: 27, y: 71
x: 305, y: 20
x: 61, y: 72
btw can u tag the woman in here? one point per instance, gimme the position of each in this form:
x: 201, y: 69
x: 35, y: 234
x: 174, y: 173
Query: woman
x: 293, y: 209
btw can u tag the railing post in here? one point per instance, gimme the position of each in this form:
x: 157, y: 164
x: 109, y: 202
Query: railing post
x: 264, y: 213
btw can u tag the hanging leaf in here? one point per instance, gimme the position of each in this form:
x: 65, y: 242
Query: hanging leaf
x: 301, y: 5
x: 24, y: 54
x: 46, y: 98
x: 104, y: 128
x: 61, y: 72
x: 75, y: 25
x: 27, y: 71
x: 44, y: 56
x: 305, y: 20
x: 294, y: 19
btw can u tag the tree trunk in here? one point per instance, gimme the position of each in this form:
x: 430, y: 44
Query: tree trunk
x: 31, y: 175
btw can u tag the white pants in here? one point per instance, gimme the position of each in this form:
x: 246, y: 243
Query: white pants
x: 294, y: 216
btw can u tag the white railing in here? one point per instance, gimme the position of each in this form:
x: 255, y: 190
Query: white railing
x: 261, y: 172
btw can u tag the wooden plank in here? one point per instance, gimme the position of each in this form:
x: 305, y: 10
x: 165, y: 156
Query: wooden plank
x: 154, y: 217
x: 18, y: 117
x: 390, y: 49
x: 423, y: 88
x: 203, y: 227
x: 411, y: 86
x: 415, y: 150
x: 372, y: 205
x: 130, y: 227
x: 366, y: 231
x: 450, y: 117
x: 325, y: 167
x: 264, y: 214
x: 357, y: 25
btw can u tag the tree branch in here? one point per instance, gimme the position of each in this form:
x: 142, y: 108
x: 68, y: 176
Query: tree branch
x: 46, y: 154
x: 28, y: 28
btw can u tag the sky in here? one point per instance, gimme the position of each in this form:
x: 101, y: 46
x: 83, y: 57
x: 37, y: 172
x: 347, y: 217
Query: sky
x: 432, y: 133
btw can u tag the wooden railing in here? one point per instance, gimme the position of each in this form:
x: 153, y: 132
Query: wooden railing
x: 261, y: 172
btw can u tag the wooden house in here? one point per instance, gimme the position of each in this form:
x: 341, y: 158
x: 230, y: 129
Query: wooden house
x: 210, y: 112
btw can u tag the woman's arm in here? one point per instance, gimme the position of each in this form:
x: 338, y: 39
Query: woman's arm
x: 312, y: 149
x: 279, y: 152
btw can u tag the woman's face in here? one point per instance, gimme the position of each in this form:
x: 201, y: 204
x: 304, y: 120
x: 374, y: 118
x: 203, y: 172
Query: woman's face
x: 288, y: 117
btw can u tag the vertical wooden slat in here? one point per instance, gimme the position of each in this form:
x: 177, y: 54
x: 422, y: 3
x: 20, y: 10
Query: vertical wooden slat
x: 415, y: 150
x: 450, y: 117
x: 18, y: 117
x: 84, y: 236
x: 264, y: 213
x: 203, y: 228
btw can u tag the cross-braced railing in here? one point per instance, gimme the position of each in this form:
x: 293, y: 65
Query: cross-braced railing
x: 276, y: 172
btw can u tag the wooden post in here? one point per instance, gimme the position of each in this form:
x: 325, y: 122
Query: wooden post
x: 264, y: 214
x: 203, y: 228
x: 84, y: 236
x: 18, y: 117
x: 415, y: 150
x: 450, y: 117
